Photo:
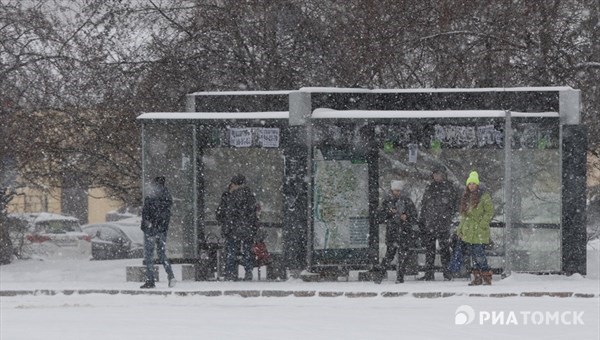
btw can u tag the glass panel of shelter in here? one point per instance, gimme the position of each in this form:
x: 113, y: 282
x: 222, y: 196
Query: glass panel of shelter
x: 262, y: 163
x: 405, y: 150
x: 536, y: 208
x: 475, y: 144
x: 172, y: 155
x: 408, y: 151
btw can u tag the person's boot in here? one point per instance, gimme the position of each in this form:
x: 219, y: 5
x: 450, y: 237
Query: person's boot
x: 147, y: 285
x: 427, y: 277
x: 400, y: 270
x: 477, y: 278
x: 379, y: 273
x: 229, y: 276
x: 248, y: 276
x: 487, y: 278
x: 172, y: 282
x: 447, y: 276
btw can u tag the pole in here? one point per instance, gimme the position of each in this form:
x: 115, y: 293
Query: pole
x: 310, y: 195
x: 508, y: 204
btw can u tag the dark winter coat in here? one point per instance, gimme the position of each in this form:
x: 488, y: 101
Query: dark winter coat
x: 389, y: 213
x: 237, y: 214
x: 438, y: 207
x: 156, y: 212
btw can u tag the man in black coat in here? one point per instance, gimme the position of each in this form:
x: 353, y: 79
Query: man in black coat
x: 400, y: 214
x: 239, y: 223
x: 156, y: 215
x: 438, y: 207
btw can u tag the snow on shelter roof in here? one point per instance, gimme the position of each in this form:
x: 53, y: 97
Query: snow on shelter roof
x: 374, y: 114
x: 323, y: 113
x: 366, y: 90
x: 215, y: 115
x: 239, y: 93
x: 358, y: 114
x: 428, y: 90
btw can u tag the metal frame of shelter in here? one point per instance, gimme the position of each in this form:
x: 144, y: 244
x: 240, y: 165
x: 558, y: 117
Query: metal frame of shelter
x: 320, y: 160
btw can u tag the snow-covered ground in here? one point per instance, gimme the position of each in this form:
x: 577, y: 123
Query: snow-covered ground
x: 505, y: 310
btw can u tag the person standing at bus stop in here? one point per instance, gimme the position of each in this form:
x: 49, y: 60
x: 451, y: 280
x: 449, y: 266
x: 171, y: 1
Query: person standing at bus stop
x: 239, y: 223
x: 398, y: 212
x: 476, y: 212
x: 156, y: 215
x: 438, y: 207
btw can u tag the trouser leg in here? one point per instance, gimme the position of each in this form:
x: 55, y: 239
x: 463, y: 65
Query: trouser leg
x: 479, y: 258
x: 430, y: 250
x: 380, y: 270
x: 149, y: 242
x: 248, y: 258
x: 231, y: 250
x: 390, y: 253
x: 480, y: 265
x: 403, y: 253
x: 445, y: 253
x: 161, y: 251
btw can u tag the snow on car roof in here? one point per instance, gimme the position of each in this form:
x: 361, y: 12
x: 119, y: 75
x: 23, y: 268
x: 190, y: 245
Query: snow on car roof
x: 130, y: 220
x: 133, y: 231
x: 130, y: 226
x: 43, y: 216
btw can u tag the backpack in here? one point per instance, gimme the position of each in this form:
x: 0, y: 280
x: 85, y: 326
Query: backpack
x: 261, y: 254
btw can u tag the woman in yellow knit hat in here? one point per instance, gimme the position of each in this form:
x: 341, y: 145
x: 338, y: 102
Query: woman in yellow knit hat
x: 476, y: 212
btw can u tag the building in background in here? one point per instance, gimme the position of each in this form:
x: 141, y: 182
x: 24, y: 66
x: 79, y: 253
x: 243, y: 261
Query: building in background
x: 95, y: 205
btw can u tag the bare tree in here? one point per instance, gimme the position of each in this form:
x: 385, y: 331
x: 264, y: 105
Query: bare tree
x: 75, y: 74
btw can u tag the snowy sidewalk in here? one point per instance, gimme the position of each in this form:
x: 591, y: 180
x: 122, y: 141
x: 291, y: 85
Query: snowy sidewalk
x: 81, y: 299
x: 297, y: 293
x: 68, y: 277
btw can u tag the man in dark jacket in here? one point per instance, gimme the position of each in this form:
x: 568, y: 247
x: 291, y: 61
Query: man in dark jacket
x: 399, y: 213
x: 438, y: 207
x: 237, y: 215
x: 156, y: 215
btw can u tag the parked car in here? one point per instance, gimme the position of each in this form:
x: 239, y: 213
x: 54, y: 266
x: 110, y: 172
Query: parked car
x: 47, y: 235
x: 116, y: 240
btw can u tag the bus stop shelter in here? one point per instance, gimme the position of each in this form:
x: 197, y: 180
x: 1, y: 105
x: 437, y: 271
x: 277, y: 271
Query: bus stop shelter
x: 320, y: 160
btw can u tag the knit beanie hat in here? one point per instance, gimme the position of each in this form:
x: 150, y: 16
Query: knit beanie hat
x: 473, y: 178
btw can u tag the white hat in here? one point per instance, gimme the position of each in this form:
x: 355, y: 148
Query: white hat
x: 397, y: 185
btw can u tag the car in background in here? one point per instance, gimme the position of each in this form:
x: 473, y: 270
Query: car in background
x: 47, y: 235
x: 121, y: 239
